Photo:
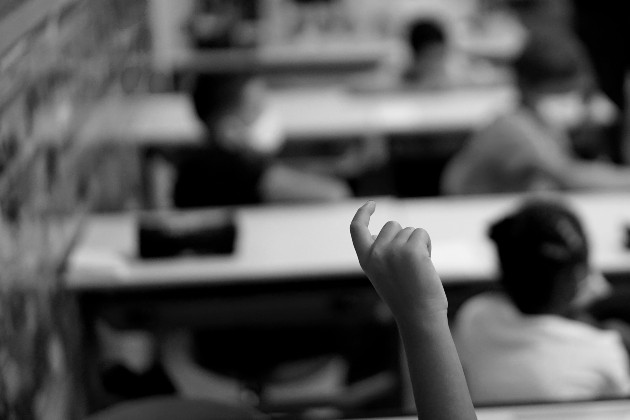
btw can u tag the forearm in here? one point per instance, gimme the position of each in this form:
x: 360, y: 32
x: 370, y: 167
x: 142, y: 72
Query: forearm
x: 329, y: 166
x: 283, y: 184
x: 587, y: 175
x: 437, y: 377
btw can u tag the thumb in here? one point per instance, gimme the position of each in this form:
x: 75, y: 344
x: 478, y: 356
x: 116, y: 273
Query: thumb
x: 360, y: 232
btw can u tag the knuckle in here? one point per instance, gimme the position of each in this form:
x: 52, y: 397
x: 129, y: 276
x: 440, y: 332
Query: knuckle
x: 424, y: 235
x: 383, y: 253
x: 392, y: 223
x: 422, y: 232
x: 379, y: 252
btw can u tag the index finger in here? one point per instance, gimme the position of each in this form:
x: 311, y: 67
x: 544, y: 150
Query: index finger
x: 360, y: 232
x: 421, y: 239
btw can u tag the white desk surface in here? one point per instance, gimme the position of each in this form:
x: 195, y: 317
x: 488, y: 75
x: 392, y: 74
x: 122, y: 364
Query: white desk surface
x: 596, y: 410
x: 335, y: 55
x: 276, y: 244
x: 307, y: 114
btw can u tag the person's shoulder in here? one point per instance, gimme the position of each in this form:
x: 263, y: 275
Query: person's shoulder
x: 479, y: 321
x: 601, y: 337
x: 584, y: 334
x: 514, y: 124
x: 607, y: 349
x: 219, y: 158
x: 486, y: 299
x: 482, y: 306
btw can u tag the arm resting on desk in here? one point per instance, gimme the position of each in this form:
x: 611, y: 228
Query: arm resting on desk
x: 591, y: 175
x: 370, y: 153
x: 280, y: 183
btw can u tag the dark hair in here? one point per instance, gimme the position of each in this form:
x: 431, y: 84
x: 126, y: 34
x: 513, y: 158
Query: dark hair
x: 550, y: 57
x: 423, y: 33
x: 216, y: 95
x: 539, y: 247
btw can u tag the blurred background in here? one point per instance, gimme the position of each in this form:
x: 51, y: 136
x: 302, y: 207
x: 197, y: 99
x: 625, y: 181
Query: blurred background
x: 146, y: 109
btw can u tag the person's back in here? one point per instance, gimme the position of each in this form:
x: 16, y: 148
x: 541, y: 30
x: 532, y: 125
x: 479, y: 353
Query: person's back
x: 509, y: 357
x: 535, y: 146
x: 527, y: 343
x: 514, y: 153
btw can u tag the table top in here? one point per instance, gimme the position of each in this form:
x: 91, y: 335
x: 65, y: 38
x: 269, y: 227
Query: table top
x: 281, y: 244
x: 307, y: 114
x: 591, y: 410
x: 336, y: 56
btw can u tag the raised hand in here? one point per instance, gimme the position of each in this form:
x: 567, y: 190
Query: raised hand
x: 398, y: 263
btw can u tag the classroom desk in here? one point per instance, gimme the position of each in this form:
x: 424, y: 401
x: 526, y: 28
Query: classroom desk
x: 306, y: 242
x: 295, y: 265
x: 591, y: 410
x: 306, y: 114
x: 337, y: 56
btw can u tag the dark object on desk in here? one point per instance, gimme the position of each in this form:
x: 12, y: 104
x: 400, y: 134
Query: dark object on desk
x: 168, y: 235
x: 120, y: 381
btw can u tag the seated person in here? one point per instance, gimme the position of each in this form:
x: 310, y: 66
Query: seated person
x: 238, y: 164
x: 425, y: 61
x: 435, y: 64
x: 428, y: 47
x: 532, y: 342
x: 536, y: 146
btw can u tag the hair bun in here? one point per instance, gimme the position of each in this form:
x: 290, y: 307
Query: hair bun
x: 501, y: 230
x: 545, y: 230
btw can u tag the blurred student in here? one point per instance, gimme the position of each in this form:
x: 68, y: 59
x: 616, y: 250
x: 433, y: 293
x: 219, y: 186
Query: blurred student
x: 425, y: 61
x: 428, y: 47
x: 398, y: 263
x: 538, y: 145
x: 531, y: 342
x: 238, y: 164
x: 435, y: 64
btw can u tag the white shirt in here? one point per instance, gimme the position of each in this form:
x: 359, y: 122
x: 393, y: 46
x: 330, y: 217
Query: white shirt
x: 511, y: 357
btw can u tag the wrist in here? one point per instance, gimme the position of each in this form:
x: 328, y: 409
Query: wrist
x: 422, y: 321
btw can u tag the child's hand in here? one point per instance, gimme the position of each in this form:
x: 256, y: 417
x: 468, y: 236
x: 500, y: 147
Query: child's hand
x: 398, y: 263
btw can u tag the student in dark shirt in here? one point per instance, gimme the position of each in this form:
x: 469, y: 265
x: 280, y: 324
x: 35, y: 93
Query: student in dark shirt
x: 238, y: 165
x: 230, y: 179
